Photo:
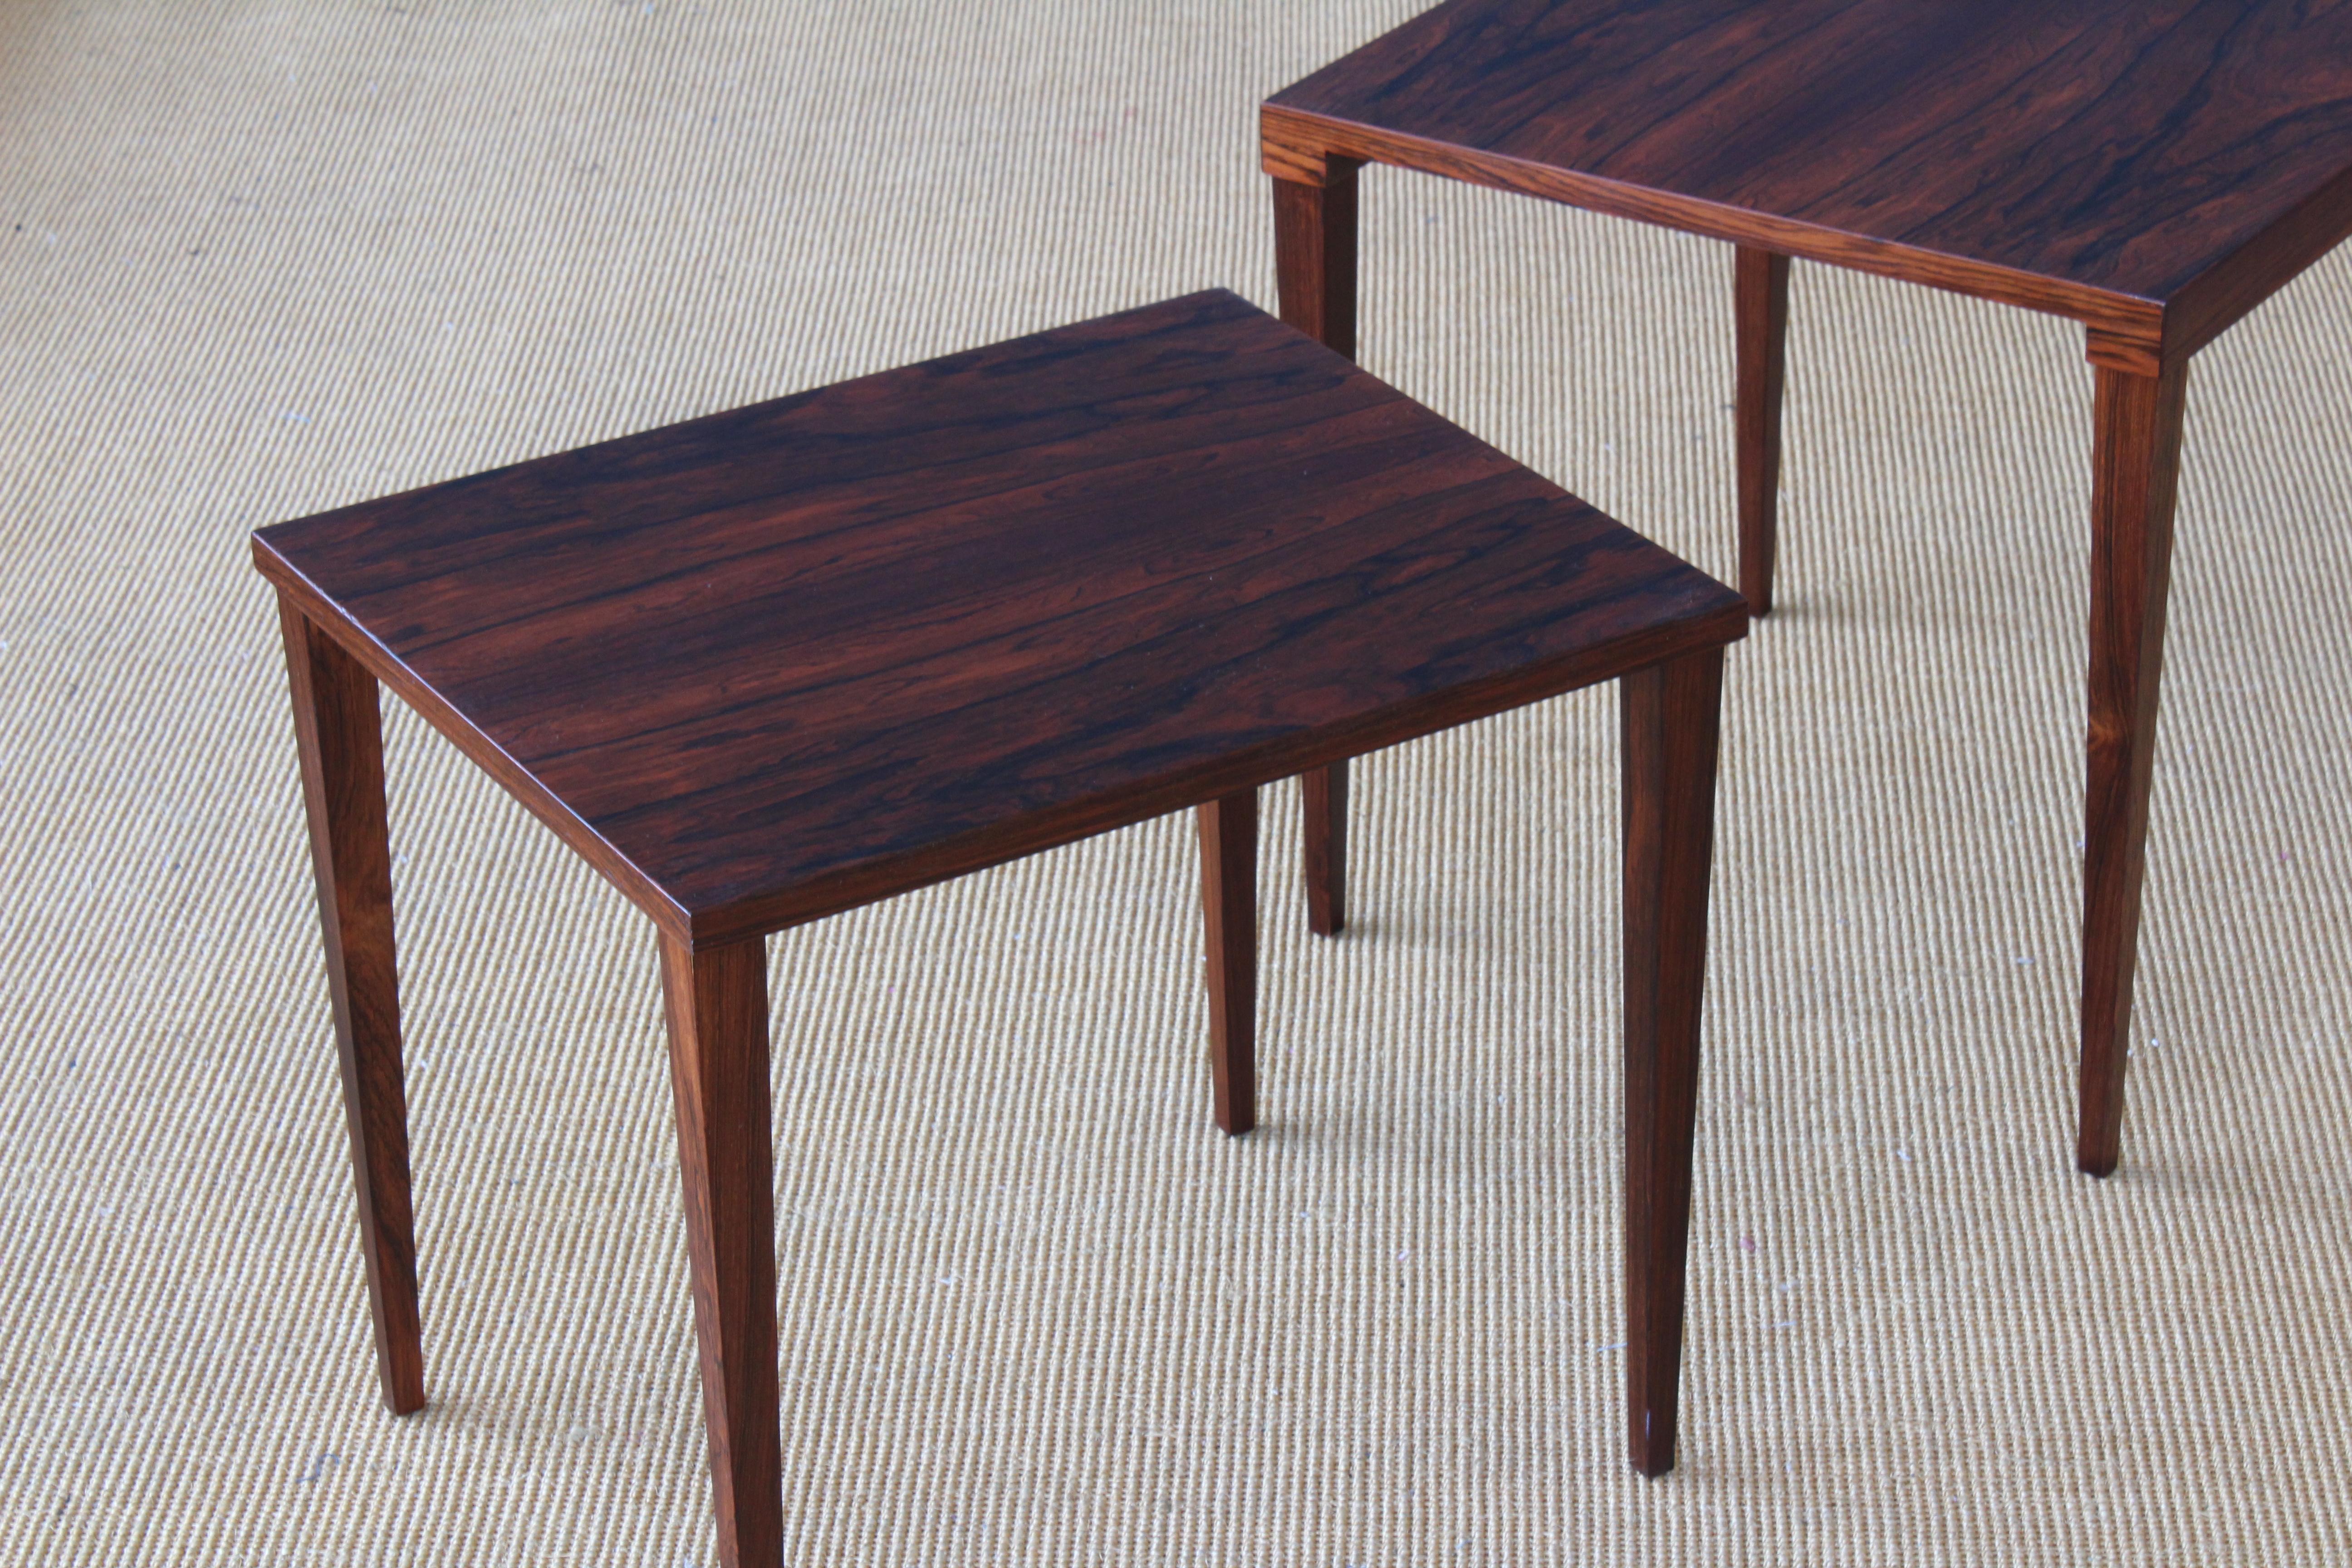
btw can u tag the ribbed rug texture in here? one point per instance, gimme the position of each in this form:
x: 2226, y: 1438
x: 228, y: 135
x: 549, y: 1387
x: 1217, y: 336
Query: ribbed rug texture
x: 260, y: 260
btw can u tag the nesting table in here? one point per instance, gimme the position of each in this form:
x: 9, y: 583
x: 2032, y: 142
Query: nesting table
x: 2153, y: 169
x: 778, y: 663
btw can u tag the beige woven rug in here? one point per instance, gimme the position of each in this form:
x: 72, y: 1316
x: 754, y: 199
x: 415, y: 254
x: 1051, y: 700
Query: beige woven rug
x: 257, y: 260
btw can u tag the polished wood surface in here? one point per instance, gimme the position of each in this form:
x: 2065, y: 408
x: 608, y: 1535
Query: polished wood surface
x: 718, y: 1006
x: 1669, y: 723
x: 1760, y: 326
x: 2156, y: 170
x: 2152, y: 167
x: 779, y: 662
x: 1228, y: 831
x: 339, y: 733
x: 772, y: 664
x: 2135, y: 473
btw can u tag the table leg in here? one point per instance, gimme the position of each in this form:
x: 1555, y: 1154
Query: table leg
x: 1229, y: 903
x: 1314, y: 256
x: 718, y: 1007
x: 1314, y: 274
x: 1760, y: 312
x: 1323, y: 795
x: 2135, y: 465
x: 340, y: 732
x: 1670, y: 715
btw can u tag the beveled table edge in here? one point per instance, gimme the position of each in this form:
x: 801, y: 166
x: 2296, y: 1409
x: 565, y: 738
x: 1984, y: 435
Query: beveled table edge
x: 999, y: 843
x: 1298, y: 144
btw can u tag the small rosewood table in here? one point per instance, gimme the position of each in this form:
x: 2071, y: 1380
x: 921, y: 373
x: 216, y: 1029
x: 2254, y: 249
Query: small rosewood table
x: 2154, y: 169
x: 774, y: 664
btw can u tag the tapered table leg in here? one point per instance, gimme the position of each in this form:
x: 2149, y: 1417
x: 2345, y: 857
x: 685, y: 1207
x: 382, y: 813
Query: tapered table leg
x: 340, y: 732
x: 1324, y: 795
x: 2136, y: 466
x: 1670, y: 715
x: 1315, y: 273
x: 718, y: 1007
x: 1229, y: 903
x: 1760, y: 312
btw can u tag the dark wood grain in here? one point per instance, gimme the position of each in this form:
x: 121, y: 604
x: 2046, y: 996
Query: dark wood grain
x: 1314, y: 256
x: 779, y: 662
x: 1315, y: 281
x: 2135, y: 469
x: 2224, y: 292
x: 1669, y: 716
x: 1323, y: 799
x: 2154, y: 168
x: 339, y: 732
x: 782, y: 661
x: 2096, y: 158
x: 1760, y: 322
x: 1228, y: 829
x: 718, y: 1007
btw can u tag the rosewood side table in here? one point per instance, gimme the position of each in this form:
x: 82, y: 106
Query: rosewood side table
x: 2154, y: 169
x: 777, y: 663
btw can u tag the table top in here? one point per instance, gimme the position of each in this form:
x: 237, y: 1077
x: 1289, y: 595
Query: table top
x: 2098, y: 158
x: 778, y: 662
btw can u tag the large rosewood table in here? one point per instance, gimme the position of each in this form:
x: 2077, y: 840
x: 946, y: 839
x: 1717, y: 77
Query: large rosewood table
x: 774, y: 664
x: 2154, y: 169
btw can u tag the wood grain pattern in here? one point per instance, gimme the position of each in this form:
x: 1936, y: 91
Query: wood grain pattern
x: 2153, y: 168
x: 331, y: 622
x: 2259, y: 267
x: 1314, y: 281
x: 2137, y: 466
x: 1760, y: 327
x: 779, y: 662
x: 1315, y: 257
x: 718, y: 1006
x: 1323, y: 801
x: 1669, y: 716
x: 339, y: 732
x: 782, y: 662
x: 2095, y: 158
x: 1228, y: 830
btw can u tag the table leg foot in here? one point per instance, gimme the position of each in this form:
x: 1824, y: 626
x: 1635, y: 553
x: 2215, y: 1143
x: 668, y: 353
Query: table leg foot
x: 338, y: 730
x: 1229, y: 904
x: 2136, y: 467
x: 1670, y: 715
x: 718, y: 1006
x: 1760, y: 312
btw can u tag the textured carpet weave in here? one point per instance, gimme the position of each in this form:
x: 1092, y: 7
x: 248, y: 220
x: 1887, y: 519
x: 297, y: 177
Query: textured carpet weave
x: 258, y: 259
